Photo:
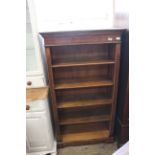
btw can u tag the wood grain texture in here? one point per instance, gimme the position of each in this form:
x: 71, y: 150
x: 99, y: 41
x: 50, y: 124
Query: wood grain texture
x: 82, y: 54
x: 82, y: 119
x: 78, y: 113
x: 33, y: 94
x: 85, y: 136
x: 80, y: 37
x: 86, y: 142
x: 83, y: 84
x: 83, y: 71
x: 53, y: 105
x: 115, y: 89
x: 91, y: 93
x: 84, y: 103
x: 122, y: 117
x: 87, y: 63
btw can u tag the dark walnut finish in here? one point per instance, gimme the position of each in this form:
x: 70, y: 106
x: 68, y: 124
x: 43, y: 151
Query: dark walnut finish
x: 83, y: 69
x: 122, y: 117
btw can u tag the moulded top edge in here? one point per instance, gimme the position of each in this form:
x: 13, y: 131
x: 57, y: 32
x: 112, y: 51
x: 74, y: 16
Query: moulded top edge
x: 78, y: 32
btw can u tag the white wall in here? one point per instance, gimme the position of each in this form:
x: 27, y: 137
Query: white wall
x: 58, y: 15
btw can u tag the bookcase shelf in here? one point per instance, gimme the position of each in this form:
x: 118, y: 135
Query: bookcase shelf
x: 83, y: 84
x: 83, y: 69
x: 76, y: 138
x: 84, y: 103
x: 82, y: 63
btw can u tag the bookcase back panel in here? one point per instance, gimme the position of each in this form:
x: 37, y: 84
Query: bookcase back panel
x: 76, y: 113
x: 82, y: 37
x: 83, y: 73
x: 82, y: 53
x: 85, y: 127
x: 84, y: 94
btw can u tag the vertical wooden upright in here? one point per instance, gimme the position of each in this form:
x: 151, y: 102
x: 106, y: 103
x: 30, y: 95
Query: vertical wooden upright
x: 52, y: 91
x: 122, y: 116
x: 115, y: 87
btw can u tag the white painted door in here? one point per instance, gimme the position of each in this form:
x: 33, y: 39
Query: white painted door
x: 34, y: 58
x: 38, y: 132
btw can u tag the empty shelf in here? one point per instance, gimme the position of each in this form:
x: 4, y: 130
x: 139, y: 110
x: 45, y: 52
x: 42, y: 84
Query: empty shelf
x: 85, y: 136
x: 85, y: 63
x: 84, y: 119
x: 83, y: 103
x: 83, y: 84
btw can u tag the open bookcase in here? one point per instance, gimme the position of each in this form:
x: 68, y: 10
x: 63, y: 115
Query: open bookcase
x: 83, y: 69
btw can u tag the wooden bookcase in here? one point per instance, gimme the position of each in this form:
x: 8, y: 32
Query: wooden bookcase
x: 83, y: 68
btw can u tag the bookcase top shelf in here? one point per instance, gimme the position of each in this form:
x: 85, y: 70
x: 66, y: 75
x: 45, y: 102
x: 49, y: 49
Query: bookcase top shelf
x: 75, y: 32
x: 81, y: 37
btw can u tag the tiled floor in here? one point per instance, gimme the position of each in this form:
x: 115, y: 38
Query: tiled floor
x: 96, y: 149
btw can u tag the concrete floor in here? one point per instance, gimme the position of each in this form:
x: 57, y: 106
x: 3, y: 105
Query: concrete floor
x: 96, y: 149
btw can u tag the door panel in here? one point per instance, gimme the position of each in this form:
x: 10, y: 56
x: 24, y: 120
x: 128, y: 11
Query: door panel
x: 37, y: 132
